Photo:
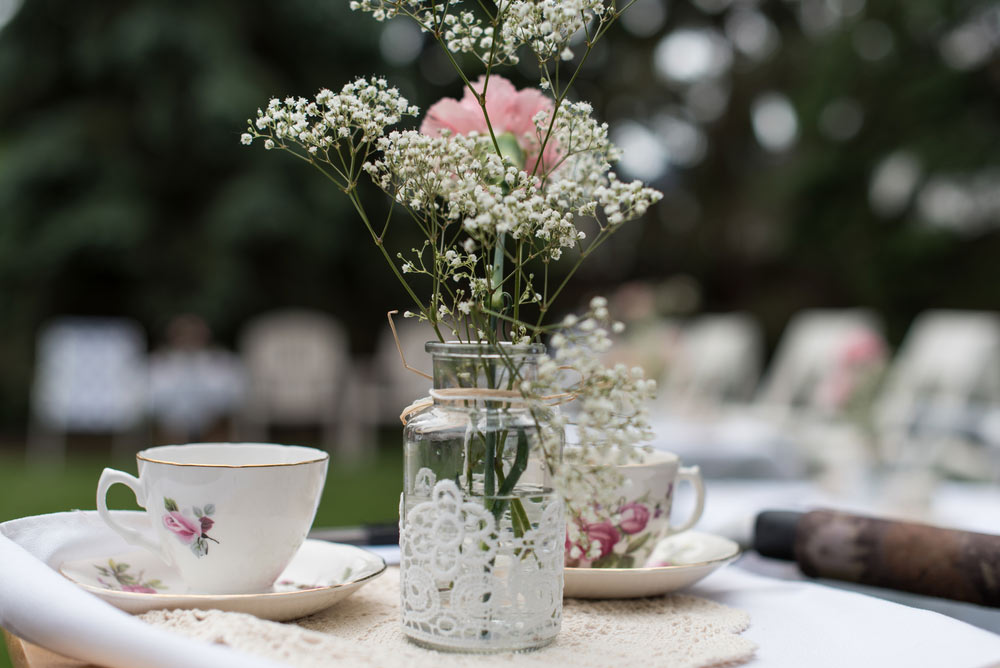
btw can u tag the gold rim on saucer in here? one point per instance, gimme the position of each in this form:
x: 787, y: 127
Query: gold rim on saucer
x: 655, y: 569
x: 264, y: 594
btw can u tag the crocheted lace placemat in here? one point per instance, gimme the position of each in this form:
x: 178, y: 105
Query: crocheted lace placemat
x: 679, y: 630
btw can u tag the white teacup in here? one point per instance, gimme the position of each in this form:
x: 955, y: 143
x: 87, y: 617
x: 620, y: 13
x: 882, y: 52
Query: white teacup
x: 227, y: 516
x: 625, y: 535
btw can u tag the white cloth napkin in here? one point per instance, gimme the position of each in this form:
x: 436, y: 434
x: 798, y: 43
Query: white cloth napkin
x: 42, y: 607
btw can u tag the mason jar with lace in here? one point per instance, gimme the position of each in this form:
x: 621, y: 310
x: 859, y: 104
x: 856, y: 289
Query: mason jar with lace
x: 481, y: 529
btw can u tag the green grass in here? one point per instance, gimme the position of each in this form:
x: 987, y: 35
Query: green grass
x: 366, y: 493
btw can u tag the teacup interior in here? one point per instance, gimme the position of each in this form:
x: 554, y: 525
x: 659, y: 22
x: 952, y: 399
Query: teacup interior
x: 232, y: 454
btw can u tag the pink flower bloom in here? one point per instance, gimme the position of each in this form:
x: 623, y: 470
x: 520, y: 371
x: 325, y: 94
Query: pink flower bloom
x: 186, y: 530
x: 863, y: 351
x: 863, y: 347
x: 138, y: 589
x: 634, y: 517
x: 604, y: 534
x: 510, y: 111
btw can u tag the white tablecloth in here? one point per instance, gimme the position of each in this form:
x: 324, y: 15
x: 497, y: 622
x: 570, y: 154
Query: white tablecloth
x: 795, y: 624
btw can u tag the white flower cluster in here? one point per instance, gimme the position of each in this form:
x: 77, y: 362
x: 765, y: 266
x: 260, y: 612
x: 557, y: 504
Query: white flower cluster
x: 611, y: 415
x: 582, y: 179
x: 544, y: 26
x: 623, y: 202
x: 576, y: 131
x: 461, y: 179
x: 357, y: 115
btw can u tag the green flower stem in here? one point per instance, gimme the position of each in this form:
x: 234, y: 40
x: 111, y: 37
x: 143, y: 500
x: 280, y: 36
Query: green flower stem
x: 497, y: 282
x: 489, y: 481
x: 355, y: 200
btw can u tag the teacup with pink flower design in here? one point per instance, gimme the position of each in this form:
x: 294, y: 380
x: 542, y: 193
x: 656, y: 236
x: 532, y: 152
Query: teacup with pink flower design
x: 625, y: 534
x: 227, y: 516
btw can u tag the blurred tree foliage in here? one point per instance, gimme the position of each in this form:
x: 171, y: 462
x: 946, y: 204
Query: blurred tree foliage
x: 774, y: 232
x: 124, y: 190
x: 123, y: 186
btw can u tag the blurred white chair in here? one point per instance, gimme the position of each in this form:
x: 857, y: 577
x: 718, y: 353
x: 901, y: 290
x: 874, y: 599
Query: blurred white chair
x: 298, y: 371
x: 942, y: 389
x: 90, y: 377
x: 814, y: 381
x: 716, y: 360
x: 810, y: 351
x: 701, y: 410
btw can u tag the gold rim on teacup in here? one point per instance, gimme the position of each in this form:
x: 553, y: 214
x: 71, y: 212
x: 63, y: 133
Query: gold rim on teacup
x: 141, y: 456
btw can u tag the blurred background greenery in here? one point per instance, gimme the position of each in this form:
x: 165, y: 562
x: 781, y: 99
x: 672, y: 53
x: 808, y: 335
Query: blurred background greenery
x: 812, y: 153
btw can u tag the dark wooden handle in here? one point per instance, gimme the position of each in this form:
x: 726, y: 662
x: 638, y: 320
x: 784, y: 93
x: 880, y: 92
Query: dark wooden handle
x: 923, y: 559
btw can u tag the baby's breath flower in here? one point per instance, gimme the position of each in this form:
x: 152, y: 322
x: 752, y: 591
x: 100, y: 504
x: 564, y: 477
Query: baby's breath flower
x: 358, y: 115
x: 478, y: 207
x: 611, y: 414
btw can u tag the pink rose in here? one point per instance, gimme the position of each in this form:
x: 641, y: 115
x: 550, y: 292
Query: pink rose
x: 604, y: 534
x: 510, y: 111
x: 634, y: 517
x: 139, y: 589
x: 181, y: 526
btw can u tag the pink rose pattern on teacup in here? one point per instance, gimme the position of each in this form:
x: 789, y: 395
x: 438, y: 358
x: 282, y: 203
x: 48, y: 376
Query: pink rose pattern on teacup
x: 193, y: 532
x: 604, y: 535
x: 634, y: 516
x: 617, y: 539
x: 125, y: 581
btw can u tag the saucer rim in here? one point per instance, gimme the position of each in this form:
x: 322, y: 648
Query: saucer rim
x: 230, y: 597
x: 738, y: 551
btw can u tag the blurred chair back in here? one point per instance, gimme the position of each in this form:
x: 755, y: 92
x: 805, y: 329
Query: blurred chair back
x: 946, y: 377
x: 717, y: 360
x: 298, y: 366
x: 810, y: 352
x: 90, y: 377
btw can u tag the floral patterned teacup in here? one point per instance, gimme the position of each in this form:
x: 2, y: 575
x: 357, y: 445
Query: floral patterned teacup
x: 624, y: 536
x: 227, y: 516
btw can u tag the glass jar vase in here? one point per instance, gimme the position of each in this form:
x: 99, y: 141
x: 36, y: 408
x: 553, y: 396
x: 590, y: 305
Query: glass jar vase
x: 481, y: 529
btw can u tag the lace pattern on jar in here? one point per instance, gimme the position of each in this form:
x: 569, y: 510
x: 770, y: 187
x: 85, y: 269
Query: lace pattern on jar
x: 469, y: 581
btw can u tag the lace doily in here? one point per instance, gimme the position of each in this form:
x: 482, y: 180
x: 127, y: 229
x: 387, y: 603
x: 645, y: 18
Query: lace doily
x: 679, y: 631
x: 468, y: 581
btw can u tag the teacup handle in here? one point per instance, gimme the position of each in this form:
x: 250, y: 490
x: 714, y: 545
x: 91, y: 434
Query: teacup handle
x: 693, y: 475
x: 113, y: 477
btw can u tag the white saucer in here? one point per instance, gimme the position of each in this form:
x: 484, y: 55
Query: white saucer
x: 692, y: 555
x: 319, y: 575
